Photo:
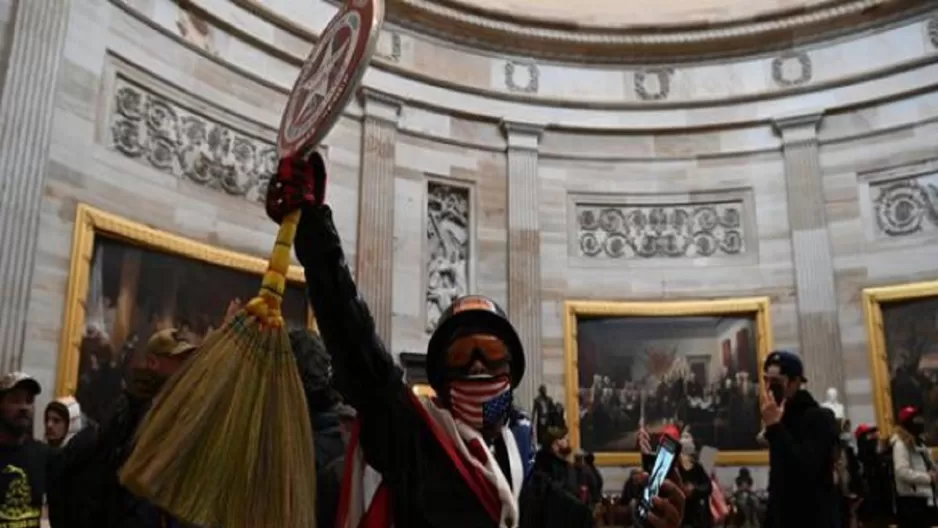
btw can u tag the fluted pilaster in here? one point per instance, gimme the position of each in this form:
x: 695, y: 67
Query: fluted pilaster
x: 818, y: 324
x: 27, y: 104
x: 375, y: 264
x: 524, y: 252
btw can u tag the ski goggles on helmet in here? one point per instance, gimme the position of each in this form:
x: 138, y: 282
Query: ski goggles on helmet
x: 488, y: 349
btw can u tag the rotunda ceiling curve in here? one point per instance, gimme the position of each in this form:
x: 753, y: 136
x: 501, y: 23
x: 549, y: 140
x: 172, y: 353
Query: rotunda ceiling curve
x: 631, y: 31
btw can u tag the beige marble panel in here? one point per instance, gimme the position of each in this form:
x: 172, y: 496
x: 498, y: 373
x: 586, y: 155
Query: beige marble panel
x: 484, y: 172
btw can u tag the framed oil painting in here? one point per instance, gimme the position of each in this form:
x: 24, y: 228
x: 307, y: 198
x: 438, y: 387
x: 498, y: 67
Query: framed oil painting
x: 128, y: 281
x: 902, y: 325
x: 693, y: 364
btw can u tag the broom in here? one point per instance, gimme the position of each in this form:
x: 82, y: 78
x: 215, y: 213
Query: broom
x: 225, y: 443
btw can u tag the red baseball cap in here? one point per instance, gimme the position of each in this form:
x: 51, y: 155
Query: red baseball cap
x: 672, y: 431
x: 907, y: 414
x: 863, y: 429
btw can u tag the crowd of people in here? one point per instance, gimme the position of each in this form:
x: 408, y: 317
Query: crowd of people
x: 467, y: 457
x: 384, y: 457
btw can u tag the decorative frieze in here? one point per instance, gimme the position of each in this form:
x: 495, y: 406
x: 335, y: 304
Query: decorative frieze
x: 905, y: 206
x: 660, y: 231
x: 449, y: 237
x: 163, y: 134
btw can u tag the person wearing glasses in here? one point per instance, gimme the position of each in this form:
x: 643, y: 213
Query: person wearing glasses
x: 457, y: 459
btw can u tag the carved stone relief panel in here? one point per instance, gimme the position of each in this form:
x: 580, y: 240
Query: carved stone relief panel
x: 655, y: 231
x: 449, y: 241
x: 171, y: 138
x: 907, y: 206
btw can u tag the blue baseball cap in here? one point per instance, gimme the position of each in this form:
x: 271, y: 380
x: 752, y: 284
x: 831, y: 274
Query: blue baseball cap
x: 788, y: 363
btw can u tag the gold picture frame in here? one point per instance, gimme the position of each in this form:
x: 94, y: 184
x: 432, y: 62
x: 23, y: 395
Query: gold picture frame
x: 574, y: 310
x: 91, y: 222
x: 873, y: 301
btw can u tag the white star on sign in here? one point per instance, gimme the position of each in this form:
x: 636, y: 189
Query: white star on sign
x: 319, y: 84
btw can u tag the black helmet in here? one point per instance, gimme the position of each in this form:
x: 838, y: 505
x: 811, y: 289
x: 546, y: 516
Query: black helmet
x: 478, y: 312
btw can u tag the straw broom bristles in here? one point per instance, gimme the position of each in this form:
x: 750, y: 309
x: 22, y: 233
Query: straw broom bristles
x: 228, y: 442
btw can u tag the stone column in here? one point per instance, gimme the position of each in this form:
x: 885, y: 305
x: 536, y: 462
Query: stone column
x: 374, y: 269
x: 27, y: 103
x: 524, y: 252
x: 818, y: 325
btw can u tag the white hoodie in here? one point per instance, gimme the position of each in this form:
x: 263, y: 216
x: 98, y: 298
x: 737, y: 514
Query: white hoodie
x: 75, y: 419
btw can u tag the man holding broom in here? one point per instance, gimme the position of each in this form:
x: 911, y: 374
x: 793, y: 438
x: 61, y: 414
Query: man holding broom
x: 457, y: 460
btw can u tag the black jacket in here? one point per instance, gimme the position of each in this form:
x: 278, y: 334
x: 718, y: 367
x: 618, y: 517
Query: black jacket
x: 396, y: 441
x: 697, y: 511
x: 549, y: 497
x: 802, y: 448
x: 89, y: 494
x: 330, y: 466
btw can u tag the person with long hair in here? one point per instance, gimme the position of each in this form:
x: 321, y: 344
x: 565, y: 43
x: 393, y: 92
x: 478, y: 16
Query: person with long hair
x: 915, y: 472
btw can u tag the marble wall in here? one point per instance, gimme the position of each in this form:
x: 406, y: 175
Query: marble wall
x: 800, y: 173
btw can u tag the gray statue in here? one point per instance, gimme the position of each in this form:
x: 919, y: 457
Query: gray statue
x: 543, y: 407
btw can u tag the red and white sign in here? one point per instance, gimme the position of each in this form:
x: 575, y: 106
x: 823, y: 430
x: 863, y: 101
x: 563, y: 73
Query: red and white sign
x: 330, y: 75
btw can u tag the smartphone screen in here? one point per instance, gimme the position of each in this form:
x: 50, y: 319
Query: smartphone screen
x: 667, y: 454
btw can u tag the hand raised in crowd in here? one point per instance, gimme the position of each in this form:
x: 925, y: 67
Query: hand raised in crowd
x: 772, y: 412
x: 234, y: 306
x: 667, y: 509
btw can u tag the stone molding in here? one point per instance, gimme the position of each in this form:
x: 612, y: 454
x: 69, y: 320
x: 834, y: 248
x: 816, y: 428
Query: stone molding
x: 683, y: 84
x: 381, y: 106
x: 475, y: 28
x: 799, y: 128
x: 522, y: 135
x: 433, y: 102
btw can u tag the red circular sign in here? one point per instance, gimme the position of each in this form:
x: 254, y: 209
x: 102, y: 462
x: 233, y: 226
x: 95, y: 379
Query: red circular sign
x: 330, y: 75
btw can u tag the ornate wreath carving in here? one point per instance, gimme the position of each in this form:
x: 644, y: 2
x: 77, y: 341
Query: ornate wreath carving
x: 903, y: 208
x: 660, y: 231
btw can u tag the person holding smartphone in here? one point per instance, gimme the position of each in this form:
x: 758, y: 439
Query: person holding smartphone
x: 802, y: 437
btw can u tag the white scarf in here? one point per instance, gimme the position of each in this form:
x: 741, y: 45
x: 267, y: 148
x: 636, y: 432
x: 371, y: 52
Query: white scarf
x: 462, y: 435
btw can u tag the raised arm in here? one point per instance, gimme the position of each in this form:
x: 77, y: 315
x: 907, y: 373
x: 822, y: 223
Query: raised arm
x: 364, y: 372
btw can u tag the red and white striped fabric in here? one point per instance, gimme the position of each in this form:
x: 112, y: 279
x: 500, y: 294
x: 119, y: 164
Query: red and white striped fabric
x: 362, y: 505
x: 360, y: 509
x: 471, y: 401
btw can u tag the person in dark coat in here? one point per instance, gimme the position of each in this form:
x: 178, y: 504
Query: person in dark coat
x: 697, y: 487
x: 803, y: 438
x: 456, y: 460
x: 91, y: 495
x: 324, y: 406
x: 877, y: 506
x: 590, y: 464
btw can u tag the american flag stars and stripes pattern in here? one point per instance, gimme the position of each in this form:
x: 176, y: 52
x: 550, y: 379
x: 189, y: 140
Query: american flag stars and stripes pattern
x: 476, y: 402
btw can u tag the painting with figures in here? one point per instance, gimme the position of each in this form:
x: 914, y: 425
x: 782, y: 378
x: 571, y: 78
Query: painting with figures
x: 448, y: 245
x: 134, y: 291
x: 700, y: 373
x: 910, y: 331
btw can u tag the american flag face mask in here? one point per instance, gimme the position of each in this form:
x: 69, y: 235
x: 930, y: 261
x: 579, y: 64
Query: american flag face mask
x: 480, y: 401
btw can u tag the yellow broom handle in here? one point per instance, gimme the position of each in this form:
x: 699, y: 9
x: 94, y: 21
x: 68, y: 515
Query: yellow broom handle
x: 267, y: 305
